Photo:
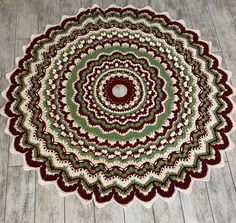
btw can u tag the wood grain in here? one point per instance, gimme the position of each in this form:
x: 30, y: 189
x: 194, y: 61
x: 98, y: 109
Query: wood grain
x: 158, y: 5
x: 70, y: 7
x: 27, y: 18
x: 232, y: 8
x: 231, y: 156
x: 168, y: 212
x: 48, y: 13
x: 201, y: 20
x: 4, y: 147
x: 111, y: 213
x: 178, y: 10
x: 222, y: 195
x: 138, y: 3
x: 137, y: 213
x: 76, y: 212
x: 196, y: 205
x: 49, y: 206
x: 20, y: 196
x: 7, y: 42
x: 225, y: 28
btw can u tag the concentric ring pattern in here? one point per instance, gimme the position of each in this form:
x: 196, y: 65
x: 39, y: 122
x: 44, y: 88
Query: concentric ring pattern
x: 167, y: 127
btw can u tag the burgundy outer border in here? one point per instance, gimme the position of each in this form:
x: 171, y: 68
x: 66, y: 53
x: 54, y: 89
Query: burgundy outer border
x: 135, y: 192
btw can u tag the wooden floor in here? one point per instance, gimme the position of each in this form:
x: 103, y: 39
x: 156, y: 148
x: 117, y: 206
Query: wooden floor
x: 23, y: 200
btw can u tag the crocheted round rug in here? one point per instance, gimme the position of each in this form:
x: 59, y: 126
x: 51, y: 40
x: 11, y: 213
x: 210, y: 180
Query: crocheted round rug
x: 119, y: 103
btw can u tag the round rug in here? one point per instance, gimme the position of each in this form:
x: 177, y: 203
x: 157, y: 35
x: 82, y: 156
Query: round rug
x: 119, y: 103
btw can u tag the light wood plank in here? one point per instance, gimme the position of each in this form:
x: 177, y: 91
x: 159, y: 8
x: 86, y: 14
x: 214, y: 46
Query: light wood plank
x: 178, y: 10
x: 137, y: 213
x: 15, y: 159
x: 49, y: 13
x: 111, y: 213
x: 158, y: 5
x: 222, y: 195
x: 120, y: 3
x: 201, y: 20
x: 231, y: 156
x: 4, y: 150
x: 8, y: 19
x: 70, y: 7
x: 49, y: 206
x: 6, y: 58
x: 27, y: 18
x: 18, y: 46
x: 168, y: 212
x: 232, y: 7
x: 76, y: 212
x: 89, y: 3
x: 20, y: 196
x: 225, y: 28
x: 196, y: 206
x: 7, y: 39
x: 106, y: 3
x: 138, y: 3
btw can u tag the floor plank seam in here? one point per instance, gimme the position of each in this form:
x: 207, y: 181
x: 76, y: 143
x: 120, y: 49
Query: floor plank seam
x: 209, y: 199
x: 223, y: 55
x: 154, y: 217
x: 190, y: 17
x: 184, y: 218
x: 21, y: 165
x: 6, y: 188
x: 35, y: 182
x: 231, y: 174
x: 124, y: 215
x: 231, y: 13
